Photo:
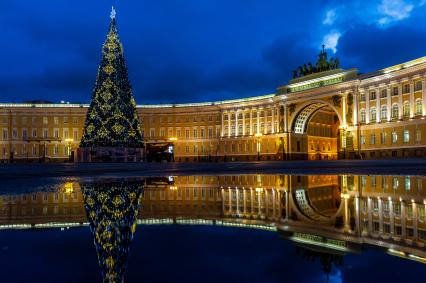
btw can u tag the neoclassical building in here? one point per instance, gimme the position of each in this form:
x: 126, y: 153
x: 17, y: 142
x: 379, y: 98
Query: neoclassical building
x: 328, y: 114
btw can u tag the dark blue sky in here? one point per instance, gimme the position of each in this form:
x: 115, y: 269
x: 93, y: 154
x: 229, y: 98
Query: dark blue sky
x: 192, y: 50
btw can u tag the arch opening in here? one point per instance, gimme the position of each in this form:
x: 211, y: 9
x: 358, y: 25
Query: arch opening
x: 316, y: 132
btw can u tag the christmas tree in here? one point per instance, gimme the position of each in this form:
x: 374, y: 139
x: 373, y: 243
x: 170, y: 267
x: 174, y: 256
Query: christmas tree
x: 112, y: 209
x: 111, y: 119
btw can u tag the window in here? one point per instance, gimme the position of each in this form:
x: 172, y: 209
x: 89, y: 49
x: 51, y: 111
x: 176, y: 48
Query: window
x: 162, y: 132
x: 362, y: 139
x: 45, y: 133
x: 406, y: 88
x: 56, y: 120
x: 202, y: 133
x: 75, y: 134
x: 362, y: 97
x: 419, y: 108
x: 24, y: 134
x: 362, y: 115
x: 383, y: 138
x: 372, y: 139
x: 395, y: 90
x: 152, y: 132
x: 407, y: 183
x: 75, y: 120
x: 45, y: 120
x: 210, y: 132
x: 406, y: 109
x: 395, y: 183
x: 418, y: 135
x: 384, y: 93
x: 4, y: 134
x: 34, y: 133
x: 56, y: 133
x: 66, y: 134
x: 395, y: 111
x: 373, y: 95
x: 65, y: 120
x: 418, y: 86
x: 187, y: 133
x: 373, y: 114
x: 406, y: 136
x: 384, y: 112
x: 394, y: 137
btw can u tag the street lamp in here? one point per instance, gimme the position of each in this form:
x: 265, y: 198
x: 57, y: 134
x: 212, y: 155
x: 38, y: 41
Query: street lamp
x: 69, y: 141
x: 258, y: 140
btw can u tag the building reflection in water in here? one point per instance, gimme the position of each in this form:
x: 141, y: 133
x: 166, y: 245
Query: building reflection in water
x: 325, y: 216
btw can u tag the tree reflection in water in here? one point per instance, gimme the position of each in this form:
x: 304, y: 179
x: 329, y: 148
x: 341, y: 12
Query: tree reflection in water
x: 112, y: 209
x: 327, y: 259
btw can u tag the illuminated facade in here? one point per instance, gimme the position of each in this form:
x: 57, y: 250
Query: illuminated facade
x: 333, y: 114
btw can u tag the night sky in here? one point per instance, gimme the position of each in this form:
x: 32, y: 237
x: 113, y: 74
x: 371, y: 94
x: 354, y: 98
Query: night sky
x: 192, y: 50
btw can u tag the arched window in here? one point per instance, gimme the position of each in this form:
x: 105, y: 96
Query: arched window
x: 406, y: 109
x: 373, y: 114
x: 419, y: 107
x: 395, y: 111
x: 362, y: 115
x: 384, y: 112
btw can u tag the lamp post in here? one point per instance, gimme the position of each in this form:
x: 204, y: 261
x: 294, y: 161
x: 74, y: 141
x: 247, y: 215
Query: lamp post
x: 258, y: 141
x: 69, y: 141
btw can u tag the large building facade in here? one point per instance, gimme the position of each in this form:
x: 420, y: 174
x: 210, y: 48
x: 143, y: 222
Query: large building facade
x: 332, y: 114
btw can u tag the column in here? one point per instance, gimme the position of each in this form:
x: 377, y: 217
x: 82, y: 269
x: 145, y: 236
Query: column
x: 258, y: 121
x: 265, y: 121
x: 229, y: 123
x: 223, y: 200
x: 236, y: 122
x: 244, y: 202
x: 287, y: 210
x: 230, y: 201
x: 424, y: 96
x: 403, y: 219
x: 251, y: 202
x: 222, y: 130
x: 347, y: 226
x: 391, y: 218
x: 273, y: 203
x: 370, y: 216
x: 251, y: 122
x: 273, y: 120
x: 380, y: 215
x: 344, y: 110
x: 367, y: 107
x: 415, y: 220
x: 357, y: 215
x: 285, y: 119
x: 412, y: 99
x: 355, y: 110
x: 238, y: 201
x: 266, y: 203
x: 378, y: 110
x: 389, y: 105
x: 244, y: 122
x: 400, y: 102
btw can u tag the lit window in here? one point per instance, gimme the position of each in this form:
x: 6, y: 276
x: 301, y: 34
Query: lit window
x: 406, y: 136
x: 419, y: 107
x: 406, y: 109
x: 362, y: 115
x: 373, y: 114
x: 373, y: 95
x: 384, y: 112
x: 372, y: 139
x: 407, y: 183
x: 395, y: 111
x: 394, y: 137
x: 362, y: 139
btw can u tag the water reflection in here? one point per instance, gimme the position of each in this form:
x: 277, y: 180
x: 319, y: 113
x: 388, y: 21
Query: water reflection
x: 112, y: 209
x: 325, y: 216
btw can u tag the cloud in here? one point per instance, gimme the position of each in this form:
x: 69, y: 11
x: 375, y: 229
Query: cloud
x: 330, y: 17
x: 331, y: 40
x: 394, y: 10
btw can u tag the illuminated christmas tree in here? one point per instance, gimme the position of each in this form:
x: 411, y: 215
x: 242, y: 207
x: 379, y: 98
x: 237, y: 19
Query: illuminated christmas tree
x: 112, y: 209
x: 112, y: 121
